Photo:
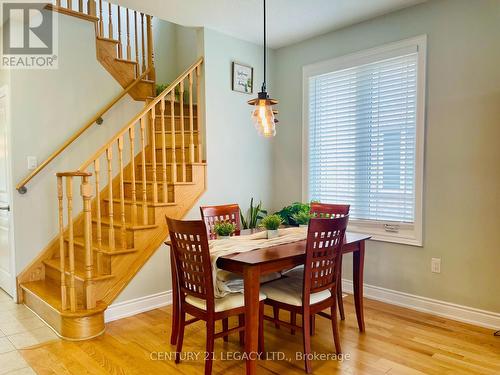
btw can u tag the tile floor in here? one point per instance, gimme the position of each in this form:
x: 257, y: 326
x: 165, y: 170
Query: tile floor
x: 19, y: 329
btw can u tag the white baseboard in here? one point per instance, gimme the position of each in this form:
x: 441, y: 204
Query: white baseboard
x: 483, y: 318
x: 138, y: 305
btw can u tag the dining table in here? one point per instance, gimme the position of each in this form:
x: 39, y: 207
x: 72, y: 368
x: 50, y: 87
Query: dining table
x: 251, y: 265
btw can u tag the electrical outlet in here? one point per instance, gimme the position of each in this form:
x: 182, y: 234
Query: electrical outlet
x: 32, y: 163
x: 436, y: 265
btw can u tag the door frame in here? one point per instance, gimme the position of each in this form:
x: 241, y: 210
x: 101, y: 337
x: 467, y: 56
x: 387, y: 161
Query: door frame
x: 5, y: 92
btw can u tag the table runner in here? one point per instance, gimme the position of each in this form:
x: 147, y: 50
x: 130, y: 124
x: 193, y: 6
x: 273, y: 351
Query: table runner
x: 225, y: 282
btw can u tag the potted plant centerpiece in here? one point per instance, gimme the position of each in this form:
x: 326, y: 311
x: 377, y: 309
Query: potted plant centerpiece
x: 271, y: 223
x: 302, y: 218
x: 224, y: 229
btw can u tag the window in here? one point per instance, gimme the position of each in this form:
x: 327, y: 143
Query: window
x: 364, y: 137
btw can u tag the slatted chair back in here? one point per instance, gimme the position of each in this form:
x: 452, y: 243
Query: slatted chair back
x: 192, y: 259
x: 214, y: 214
x: 327, y: 210
x: 323, y: 255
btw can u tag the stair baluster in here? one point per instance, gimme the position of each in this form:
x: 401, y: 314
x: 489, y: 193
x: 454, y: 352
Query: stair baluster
x: 111, y: 235
x: 69, y: 4
x: 172, y: 120
x: 198, y: 111
x: 123, y: 232
x: 153, y: 154
x: 120, y: 47
x: 62, y: 252
x: 86, y: 193
x: 91, y: 7
x: 151, y: 63
x: 144, y: 184
x: 183, y: 130
x: 101, y: 22
x: 131, y: 136
x: 129, y: 50
x: 80, y: 6
x: 136, y: 37
x: 143, y: 48
x: 164, y: 150
x: 110, y: 25
x: 97, y: 170
x: 191, y: 125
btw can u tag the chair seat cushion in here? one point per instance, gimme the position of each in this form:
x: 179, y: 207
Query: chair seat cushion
x: 297, y: 272
x: 231, y: 301
x: 289, y: 291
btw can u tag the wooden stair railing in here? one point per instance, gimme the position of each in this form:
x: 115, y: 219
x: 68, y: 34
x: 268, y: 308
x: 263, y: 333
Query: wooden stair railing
x: 143, y: 137
x: 21, y: 186
x: 130, y: 28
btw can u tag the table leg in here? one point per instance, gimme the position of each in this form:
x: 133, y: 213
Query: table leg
x: 358, y: 265
x: 252, y: 285
x: 175, y: 302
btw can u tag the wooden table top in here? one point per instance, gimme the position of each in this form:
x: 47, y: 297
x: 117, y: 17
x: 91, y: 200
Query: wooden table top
x: 284, y: 251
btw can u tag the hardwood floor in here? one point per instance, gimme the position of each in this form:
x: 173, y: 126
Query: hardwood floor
x: 397, y: 341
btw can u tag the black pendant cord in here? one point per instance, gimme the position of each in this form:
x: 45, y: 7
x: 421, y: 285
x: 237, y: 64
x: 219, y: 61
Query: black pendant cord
x: 265, y: 50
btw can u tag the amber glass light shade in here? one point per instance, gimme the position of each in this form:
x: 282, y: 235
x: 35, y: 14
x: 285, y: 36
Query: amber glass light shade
x: 263, y: 116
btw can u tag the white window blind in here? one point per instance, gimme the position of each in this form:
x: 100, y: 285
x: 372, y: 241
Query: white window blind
x: 362, y: 123
x: 364, y: 137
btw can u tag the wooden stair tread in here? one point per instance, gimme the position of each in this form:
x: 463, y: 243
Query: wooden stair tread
x: 140, y: 202
x: 169, y: 163
x: 186, y: 116
x: 176, y: 132
x: 108, y: 39
x: 149, y: 182
x: 105, y: 249
x: 128, y: 225
x: 79, y: 269
x: 126, y: 61
x: 50, y: 293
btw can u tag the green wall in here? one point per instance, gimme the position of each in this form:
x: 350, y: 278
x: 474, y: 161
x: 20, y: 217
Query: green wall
x: 462, y: 154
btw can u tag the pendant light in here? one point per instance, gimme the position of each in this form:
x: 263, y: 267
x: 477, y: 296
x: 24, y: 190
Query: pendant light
x: 263, y: 114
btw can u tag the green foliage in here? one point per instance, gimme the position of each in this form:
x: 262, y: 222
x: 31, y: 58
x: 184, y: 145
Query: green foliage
x: 254, y: 215
x: 302, y: 217
x: 224, y: 228
x: 160, y: 87
x: 271, y: 222
x: 288, y: 212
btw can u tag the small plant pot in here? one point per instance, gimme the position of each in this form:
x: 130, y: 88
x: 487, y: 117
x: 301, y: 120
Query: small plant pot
x: 222, y: 237
x: 272, y: 234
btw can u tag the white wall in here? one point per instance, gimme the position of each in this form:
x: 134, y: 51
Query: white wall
x: 48, y: 106
x: 462, y: 156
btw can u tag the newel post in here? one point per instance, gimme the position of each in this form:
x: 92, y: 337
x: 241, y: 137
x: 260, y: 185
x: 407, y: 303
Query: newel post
x: 151, y: 63
x: 86, y: 193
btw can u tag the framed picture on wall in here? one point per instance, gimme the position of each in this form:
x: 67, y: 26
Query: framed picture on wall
x: 242, y: 78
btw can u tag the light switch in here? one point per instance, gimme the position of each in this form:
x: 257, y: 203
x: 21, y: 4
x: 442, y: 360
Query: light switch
x: 32, y: 163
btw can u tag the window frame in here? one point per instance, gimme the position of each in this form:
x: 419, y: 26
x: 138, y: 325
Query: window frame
x: 387, y: 231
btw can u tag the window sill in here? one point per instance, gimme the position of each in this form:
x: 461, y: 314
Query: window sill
x: 407, y: 234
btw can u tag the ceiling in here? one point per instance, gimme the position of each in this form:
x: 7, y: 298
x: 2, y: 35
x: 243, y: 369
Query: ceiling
x: 289, y: 21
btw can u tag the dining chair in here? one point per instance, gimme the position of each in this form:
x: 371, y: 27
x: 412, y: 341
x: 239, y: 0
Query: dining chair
x: 317, y: 289
x: 325, y: 210
x: 189, y: 243
x: 214, y: 214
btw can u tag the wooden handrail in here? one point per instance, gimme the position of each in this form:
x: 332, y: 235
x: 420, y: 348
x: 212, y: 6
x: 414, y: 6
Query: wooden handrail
x: 21, y: 186
x: 141, y: 114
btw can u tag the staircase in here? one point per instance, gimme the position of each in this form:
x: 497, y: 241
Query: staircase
x: 112, y: 208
